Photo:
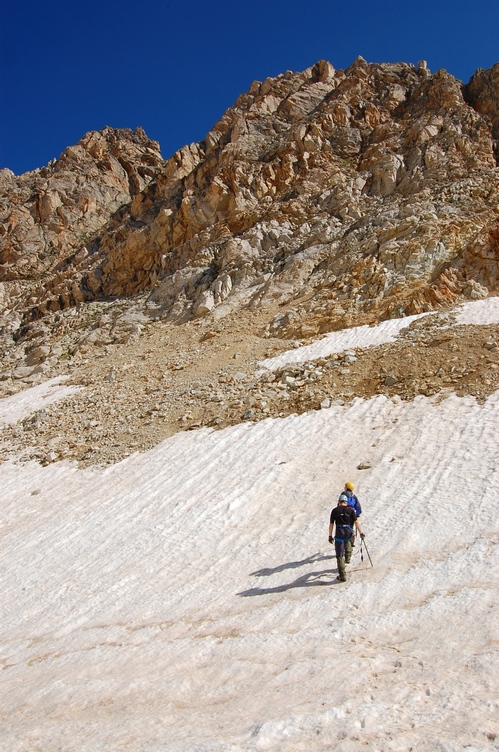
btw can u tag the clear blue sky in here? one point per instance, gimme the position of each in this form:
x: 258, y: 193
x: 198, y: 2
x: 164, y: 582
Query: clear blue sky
x: 174, y: 67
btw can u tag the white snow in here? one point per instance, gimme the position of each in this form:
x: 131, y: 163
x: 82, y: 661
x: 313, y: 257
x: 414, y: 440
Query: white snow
x: 346, y: 339
x: 476, y: 312
x: 19, y: 406
x: 185, y: 599
x: 479, y: 312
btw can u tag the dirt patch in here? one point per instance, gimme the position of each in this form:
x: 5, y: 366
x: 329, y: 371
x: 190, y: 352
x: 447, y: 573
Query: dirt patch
x: 175, y: 378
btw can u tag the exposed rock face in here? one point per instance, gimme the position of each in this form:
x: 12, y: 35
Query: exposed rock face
x: 344, y: 196
x: 48, y: 214
x: 358, y: 189
x: 482, y: 93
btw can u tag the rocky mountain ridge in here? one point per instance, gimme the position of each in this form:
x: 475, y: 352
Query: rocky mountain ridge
x: 320, y: 200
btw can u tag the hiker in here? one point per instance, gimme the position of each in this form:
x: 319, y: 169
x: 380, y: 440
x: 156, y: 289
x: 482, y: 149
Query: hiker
x: 352, y: 501
x: 351, y: 497
x: 345, y: 518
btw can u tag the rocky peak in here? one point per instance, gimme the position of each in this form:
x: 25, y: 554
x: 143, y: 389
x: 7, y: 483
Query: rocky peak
x: 48, y: 213
x: 482, y: 93
x: 340, y: 196
x: 343, y: 152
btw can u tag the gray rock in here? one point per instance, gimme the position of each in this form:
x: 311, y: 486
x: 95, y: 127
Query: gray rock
x: 390, y: 380
x: 22, y: 372
x: 204, y: 304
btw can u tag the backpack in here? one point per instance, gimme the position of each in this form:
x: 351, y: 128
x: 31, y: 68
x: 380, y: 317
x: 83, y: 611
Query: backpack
x: 353, y: 502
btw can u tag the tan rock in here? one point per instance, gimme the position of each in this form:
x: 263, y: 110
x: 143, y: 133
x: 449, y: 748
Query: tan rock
x: 342, y: 195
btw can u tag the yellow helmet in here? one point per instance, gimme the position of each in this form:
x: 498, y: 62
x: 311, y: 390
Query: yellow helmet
x: 349, y: 485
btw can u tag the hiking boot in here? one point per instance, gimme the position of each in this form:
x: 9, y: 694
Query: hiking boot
x: 341, y: 579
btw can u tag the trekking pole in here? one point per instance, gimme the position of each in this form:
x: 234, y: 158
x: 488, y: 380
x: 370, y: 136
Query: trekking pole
x: 362, y: 542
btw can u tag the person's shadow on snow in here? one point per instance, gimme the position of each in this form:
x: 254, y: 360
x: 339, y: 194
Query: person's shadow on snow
x: 311, y: 579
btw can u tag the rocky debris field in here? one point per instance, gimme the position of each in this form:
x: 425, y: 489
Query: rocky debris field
x: 166, y: 378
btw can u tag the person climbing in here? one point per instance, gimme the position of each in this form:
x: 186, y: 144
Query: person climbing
x: 352, y: 501
x: 351, y: 497
x: 345, y: 518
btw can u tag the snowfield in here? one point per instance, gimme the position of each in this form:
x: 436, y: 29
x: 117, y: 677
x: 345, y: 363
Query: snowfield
x: 185, y: 599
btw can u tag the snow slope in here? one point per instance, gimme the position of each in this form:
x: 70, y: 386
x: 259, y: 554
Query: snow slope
x: 185, y: 599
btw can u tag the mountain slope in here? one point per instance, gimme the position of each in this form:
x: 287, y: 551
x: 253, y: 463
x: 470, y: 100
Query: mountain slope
x: 320, y: 200
x: 185, y: 599
x: 197, y: 353
x: 361, y: 192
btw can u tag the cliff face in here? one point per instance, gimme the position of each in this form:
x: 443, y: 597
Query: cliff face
x: 369, y: 190
x: 482, y: 93
x: 345, y: 196
x: 49, y: 214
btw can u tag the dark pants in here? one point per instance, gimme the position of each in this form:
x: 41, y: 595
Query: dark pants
x: 343, y: 549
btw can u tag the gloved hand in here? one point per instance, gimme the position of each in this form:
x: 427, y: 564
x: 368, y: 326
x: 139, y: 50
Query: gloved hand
x: 362, y: 535
x: 331, y: 539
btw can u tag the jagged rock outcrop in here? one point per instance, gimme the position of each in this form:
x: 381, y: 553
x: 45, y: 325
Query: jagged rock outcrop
x: 49, y: 214
x: 370, y: 189
x: 344, y: 195
x: 482, y: 93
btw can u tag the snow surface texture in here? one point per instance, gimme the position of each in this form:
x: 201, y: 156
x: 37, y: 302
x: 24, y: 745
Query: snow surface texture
x: 19, y: 406
x: 185, y: 599
x: 480, y: 312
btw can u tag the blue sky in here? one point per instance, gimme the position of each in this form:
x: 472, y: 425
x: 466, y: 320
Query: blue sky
x: 174, y: 68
